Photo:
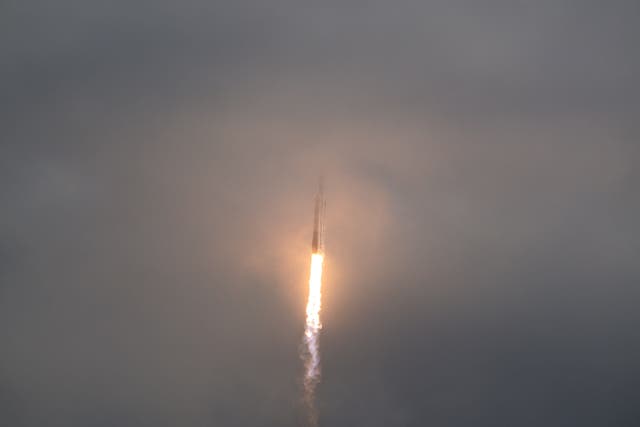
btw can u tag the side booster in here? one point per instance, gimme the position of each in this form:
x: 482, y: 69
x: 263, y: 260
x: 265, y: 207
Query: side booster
x: 317, y: 241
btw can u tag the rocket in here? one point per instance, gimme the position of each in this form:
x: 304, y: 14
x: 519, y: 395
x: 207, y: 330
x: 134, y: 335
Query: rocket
x: 317, y: 241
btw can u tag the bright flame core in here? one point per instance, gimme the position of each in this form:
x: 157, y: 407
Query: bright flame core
x: 315, y: 296
x: 311, y: 331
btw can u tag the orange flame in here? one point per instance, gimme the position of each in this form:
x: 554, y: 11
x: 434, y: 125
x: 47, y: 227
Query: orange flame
x: 311, y: 332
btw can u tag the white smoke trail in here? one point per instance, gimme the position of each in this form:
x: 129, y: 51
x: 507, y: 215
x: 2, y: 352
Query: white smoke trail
x: 311, y: 353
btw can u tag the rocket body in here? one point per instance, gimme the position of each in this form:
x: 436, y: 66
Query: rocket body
x: 317, y: 241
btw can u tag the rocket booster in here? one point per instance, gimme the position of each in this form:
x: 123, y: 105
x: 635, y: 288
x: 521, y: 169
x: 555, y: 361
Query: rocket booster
x: 317, y: 241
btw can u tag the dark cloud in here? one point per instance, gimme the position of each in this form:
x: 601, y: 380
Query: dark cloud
x: 157, y: 165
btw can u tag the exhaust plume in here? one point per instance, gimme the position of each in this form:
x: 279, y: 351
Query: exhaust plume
x: 311, y: 354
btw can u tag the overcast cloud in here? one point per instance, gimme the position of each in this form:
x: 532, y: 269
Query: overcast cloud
x: 158, y: 162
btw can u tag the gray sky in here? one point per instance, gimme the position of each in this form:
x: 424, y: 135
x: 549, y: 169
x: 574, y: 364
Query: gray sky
x: 158, y: 162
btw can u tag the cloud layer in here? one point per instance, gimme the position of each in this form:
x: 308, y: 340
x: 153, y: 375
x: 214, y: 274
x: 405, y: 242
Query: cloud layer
x: 158, y: 166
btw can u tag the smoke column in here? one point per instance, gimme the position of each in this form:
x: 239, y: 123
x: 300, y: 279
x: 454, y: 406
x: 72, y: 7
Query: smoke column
x: 311, y: 355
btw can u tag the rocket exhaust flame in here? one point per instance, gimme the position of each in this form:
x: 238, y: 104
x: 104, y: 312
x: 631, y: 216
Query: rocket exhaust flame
x: 311, y: 355
x: 311, y: 351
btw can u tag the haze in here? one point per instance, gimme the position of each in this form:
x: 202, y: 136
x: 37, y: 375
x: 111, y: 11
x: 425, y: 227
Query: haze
x: 158, y: 163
